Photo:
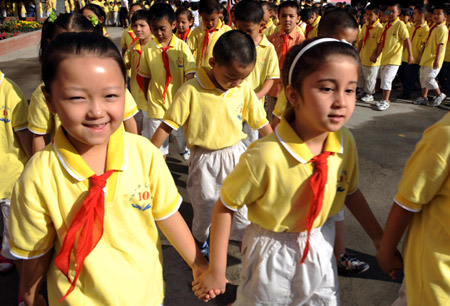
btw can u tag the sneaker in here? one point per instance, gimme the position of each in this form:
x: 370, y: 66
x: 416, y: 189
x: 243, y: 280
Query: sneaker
x: 367, y: 98
x: 420, y: 101
x: 437, y: 100
x: 5, y: 264
x: 186, y: 155
x: 383, y: 105
x: 348, y: 262
x: 204, y: 249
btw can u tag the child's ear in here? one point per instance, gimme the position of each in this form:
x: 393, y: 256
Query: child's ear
x: 101, y: 19
x: 174, y: 25
x: 261, y: 26
x: 48, y: 100
x: 292, y: 96
x: 212, y: 62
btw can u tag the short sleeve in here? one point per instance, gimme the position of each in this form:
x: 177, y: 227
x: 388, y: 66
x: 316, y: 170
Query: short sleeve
x: 130, y: 106
x: 254, y: 112
x: 403, y: 31
x: 281, y: 104
x: 442, y: 37
x: 31, y: 230
x: 19, y: 107
x: 273, y: 67
x: 144, y: 66
x: 40, y: 119
x: 426, y: 170
x: 179, y: 110
x: 190, y: 65
x: 165, y: 196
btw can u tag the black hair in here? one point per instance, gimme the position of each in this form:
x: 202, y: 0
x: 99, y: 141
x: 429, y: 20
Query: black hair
x: 182, y: 10
x: 291, y: 4
x: 441, y: 7
x: 97, y: 10
x: 421, y: 8
x: 137, y: 3
x: 209, y: 7
x: 224, y: 12
x: 76, y: 44
x: 160, y: 11
x: 266, y: 4
x: 333, y: 22
x: 249, y: 11
x: 306, y: 13
x: 235, y: 46
x: 312, y: 60
x: 374, y: 8
x: 68, y: 23
x: 406, y: 12
x: 399, y: 7
x: 140, y: 15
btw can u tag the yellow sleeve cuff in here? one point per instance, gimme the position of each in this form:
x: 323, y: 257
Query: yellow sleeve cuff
x: 38, y: 131
x: 404, y: 203
x: 20, y: 127
x: 172, y: 124
x: 21, y: 254
x: 170, y: 210
x: 130, y: 114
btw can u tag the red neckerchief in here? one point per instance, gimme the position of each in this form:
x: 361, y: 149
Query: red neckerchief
x: 383, y: 36
x: 317, y: 183
x: 185, y: 35
x: 86, y: 228
x: 206, y: 40
x: 366, y: 36
x: 165, y: 59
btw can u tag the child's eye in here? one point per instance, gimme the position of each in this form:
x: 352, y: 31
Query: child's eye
x: 111, y: 96
x: 76, y: 99
x: 326, y: 89
x: 350, y: 91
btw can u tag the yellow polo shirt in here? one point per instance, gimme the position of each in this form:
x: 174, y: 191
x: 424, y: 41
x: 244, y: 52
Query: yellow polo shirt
x: 195, y: 43
x: 447, y: 50
x: 181, y: 63
x: 266, y: 66
x: 425, y: 190
x: 125, y: 268
x: 274, y: 172
x: 42, y: 122
x: 281, y: 104
x: 269, y: 28
x: 439, y: 36
x: 13, y: 118
x: 313, y: 33
x: 212, y: 119
x: 417, y: 42
x: 127, y: 38
x: 132, y: 61
x: 371, y: 43
x: 393, y: 47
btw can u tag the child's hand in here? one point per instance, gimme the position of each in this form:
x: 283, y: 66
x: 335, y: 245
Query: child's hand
x: 410, y: 60
x: 390, y: 262
x: 209, y: 285
x: 436, y: 64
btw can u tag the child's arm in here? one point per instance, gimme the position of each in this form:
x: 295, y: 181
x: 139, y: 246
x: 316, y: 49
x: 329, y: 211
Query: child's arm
x: 265, y: 130
x: 25, y: 138
x: 38, y: 142
x: 407, y: 44
x: 215, y: 276
x: 161, y: 134
x: 189, y: 76
x: 358, y: 206
x: 265, y: 88
x: 388, y: 257
x: 179, y: 235
x: 131, y: 125
x: 439, y: 49
x: 32, y: 272
x: 376, y: 53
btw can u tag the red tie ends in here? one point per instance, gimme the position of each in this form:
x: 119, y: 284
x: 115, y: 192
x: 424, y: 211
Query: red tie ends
x: 317, y: 182
x: 86, y: 229
x: 206, y: 43
x: 165, y: 59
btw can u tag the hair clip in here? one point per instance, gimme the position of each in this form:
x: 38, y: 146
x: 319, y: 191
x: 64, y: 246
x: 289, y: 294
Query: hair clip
x: 94, y: 21
x: 52, y: 17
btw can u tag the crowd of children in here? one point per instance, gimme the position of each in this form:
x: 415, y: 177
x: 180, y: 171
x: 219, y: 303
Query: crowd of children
x: 255, y: 98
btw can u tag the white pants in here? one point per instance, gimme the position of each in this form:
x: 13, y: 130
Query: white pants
x: 6, y: 251
x: 207, y: 170
x: 387, y: 74
x: 369, y: 76
x: 272, y: 274
x: 428, y: 77
x: 252, y: 135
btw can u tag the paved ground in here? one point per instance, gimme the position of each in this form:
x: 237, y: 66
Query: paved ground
x: 385, y: 140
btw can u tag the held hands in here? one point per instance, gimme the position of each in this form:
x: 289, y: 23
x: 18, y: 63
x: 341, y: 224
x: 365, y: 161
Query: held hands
x: 390, y: 262
x: 204, y: 285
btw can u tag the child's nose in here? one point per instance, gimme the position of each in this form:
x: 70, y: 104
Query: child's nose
x: 96, y: 109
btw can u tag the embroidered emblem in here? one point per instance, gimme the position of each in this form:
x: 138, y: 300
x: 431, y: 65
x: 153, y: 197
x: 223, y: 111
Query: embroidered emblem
x: 141, y: 198
x: 4, y: 111
x: 342, y: 182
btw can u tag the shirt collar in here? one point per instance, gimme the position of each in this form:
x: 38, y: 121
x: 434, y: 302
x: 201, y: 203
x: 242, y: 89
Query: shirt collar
x: 173, y: 40
x: 298, y: 149
x: 205, y: 82
x: 316, y: 21
x: 264, y: 41
x: 218, y: 26
x: 77, y: 167
x: 268, y: 24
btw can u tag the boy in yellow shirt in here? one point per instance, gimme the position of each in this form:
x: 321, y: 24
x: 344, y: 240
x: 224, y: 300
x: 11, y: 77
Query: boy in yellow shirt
x: 418, y: 33
x: 394, y: 36
x: 203, y: 38
x: 421, y: 209
x: 249, y: 19
x: 269, y: 26
x: 433, y: 58
x: 444, y: 75
x: 370, y: 35
x: 311, y: 17
x: 128, y: 36
x: 212, y: 108
x: 165, y: 65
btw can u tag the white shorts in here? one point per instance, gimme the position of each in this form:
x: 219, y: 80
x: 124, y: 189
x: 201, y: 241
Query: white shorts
x: 5, y: 250
x: 387, y: 74
x: 149, y: 127
x: 369, y: 76
x: 272, y: 274
x: 428, y: 77
x: 252, y: 135
x: 339, y: 216
x: 207, y: 171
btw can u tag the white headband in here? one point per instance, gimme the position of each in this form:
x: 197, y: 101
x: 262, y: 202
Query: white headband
x: 309, y: 46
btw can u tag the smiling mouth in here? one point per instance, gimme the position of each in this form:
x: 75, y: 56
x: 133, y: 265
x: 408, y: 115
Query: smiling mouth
x: 96, y: 126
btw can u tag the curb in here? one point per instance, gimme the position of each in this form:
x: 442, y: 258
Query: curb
x: 19, y: 42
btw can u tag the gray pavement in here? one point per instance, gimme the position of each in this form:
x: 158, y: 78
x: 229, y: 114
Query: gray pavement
x: 385, y: 141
